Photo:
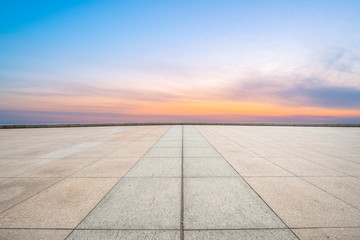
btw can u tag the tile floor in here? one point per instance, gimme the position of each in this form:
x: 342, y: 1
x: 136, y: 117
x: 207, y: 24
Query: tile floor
x: 180, y: 182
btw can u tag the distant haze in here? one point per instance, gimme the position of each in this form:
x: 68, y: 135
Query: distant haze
x: 68, y: 61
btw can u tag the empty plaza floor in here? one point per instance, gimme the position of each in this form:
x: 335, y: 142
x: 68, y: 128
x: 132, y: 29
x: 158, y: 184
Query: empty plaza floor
x: 180, y: 182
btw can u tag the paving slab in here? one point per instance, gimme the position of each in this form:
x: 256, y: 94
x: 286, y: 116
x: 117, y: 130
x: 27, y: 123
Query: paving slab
x: 345, y: 188
x: 33, y: 234
x: 108, y: 167
x: 301, y: 167
x: 201, y: 152
x: 269, y: 234
x: 257, y: 166
x: 138, y: 203
x: 225, y: 203
x: 60, y: 168
x: 300, y: 204
x: 63, y: 205
x: 165, y: 152
x: 15, y: 190
x: 207, y: 166
x: 156, y: 167
x: 124, y: 235
x: 328, y: 233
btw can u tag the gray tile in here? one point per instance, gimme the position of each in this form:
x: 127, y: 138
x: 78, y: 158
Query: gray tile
x: 207, y: 166
x: 156, y: 167
x: 201, y: 152
x: 124, y: 235
x: 269, y: 234
x: 138, y: 203
x: 225, y: 203
x: 164, y: 152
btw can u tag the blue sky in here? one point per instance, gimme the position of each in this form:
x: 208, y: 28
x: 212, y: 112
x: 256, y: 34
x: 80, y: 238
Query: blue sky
x: 129, y: 57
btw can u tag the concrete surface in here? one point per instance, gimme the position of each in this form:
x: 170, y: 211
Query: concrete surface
x: 182, y: 181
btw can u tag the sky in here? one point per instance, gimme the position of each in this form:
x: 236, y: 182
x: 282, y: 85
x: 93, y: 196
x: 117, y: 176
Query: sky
x: 74, y: 61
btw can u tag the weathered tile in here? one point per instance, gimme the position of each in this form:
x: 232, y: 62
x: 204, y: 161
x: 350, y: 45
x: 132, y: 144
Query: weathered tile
x: 108, y: 167
x: 33, y: 234
x: 138, y: 203
x: 246, y: 166
x: 301, y: 167
x: 328, y: 233
x: 125, y: 235
x: 269, y: 234
x: 207, y: 166
x: 300, y: 204
x: 225, y: 203
x: 15, y: 190
x: 166, y: 152
x: 60, y: 168
x: 156, y: 167
x: 60, y: 206
x: 345, y: 188
x: 201, y: 152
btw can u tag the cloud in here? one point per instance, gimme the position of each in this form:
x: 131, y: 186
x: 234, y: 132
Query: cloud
x: 298, y: 91
x: 38, y: 117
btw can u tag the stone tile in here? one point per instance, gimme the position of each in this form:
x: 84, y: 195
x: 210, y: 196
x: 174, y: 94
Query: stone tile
x: 153, y: 203
x: 201, y: 152
x: 33, y: 234
x: 60, y: 168
x: 60, y: 206
x: 246, y: 166
x: 168, y: 152
x: 108, y: 167
x: 177, y: 144
x: 197, y: 144
x: 125, y: 235
x: 15, y: 167
x: 15, y: 190
x: 129, y: 152
x: 207, y: 166
x: 328, y: 233
x: 224, y: 203
x: 269, y: 234
x: 301, y: 167
x: 339, y: 165
x: 345, y: 188
x: 300, y: 204
x: 156, y: 167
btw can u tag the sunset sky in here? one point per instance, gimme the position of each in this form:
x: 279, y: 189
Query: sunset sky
x: 176, y: 61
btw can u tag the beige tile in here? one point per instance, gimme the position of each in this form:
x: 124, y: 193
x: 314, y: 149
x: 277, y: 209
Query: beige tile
x: 301, y: 167
x: 15, y: 190
x: 14, y: 167
x: 300, y: 204
x: 33, y: 234
x: 328, y: 234
x: 108, y: 167
x: 256, y: 167
x: 345, y: 188
x: 60, y: 168
x: 63, y: 205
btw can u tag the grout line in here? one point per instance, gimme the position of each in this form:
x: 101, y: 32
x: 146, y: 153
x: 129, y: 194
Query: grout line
x: 175, y: 229
x: 251, y: 188
x: 182, y: 186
